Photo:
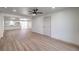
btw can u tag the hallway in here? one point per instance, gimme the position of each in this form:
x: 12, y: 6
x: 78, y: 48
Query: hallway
x: 25, y: 40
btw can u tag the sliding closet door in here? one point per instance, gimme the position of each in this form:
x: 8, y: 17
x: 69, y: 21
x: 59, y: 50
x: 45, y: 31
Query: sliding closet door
x: 47, y: 25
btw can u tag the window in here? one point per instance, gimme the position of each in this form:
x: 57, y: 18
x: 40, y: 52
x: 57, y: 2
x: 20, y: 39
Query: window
x: 24, y: 24
x: 11, y: 23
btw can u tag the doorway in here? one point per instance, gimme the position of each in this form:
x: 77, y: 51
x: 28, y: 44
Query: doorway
x: 47, y: 25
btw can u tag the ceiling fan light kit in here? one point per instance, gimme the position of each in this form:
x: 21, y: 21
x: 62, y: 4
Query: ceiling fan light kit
x: 33, y: 14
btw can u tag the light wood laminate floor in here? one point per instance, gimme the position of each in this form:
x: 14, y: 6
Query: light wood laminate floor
x: 25, y: 40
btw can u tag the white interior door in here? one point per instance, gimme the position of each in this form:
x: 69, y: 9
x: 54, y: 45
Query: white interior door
x: 47, y: 25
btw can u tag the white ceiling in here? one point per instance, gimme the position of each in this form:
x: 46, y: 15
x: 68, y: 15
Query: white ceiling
x: 24, y: 10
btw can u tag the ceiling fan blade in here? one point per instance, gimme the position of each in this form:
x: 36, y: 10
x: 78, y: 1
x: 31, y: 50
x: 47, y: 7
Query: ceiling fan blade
x: 40, y: 12
x: 36, y: 9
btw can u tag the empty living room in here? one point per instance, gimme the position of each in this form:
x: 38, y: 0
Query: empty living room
x: 39, y: 28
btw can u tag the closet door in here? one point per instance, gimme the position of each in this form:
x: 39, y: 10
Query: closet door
x: 47, y: 25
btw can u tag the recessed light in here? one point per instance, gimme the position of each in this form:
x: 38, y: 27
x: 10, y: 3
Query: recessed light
x: 14, y: 10
x: 53, y: 7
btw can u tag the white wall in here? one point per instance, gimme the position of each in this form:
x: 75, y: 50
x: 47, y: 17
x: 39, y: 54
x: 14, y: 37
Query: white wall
x: 37, y: 25
x: 64, y: 25
x: 1, y: 25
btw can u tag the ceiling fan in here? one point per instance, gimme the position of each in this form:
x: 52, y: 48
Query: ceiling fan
x: 35, y: 11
